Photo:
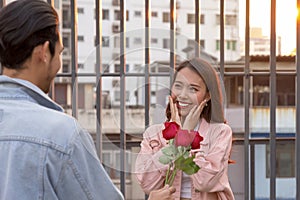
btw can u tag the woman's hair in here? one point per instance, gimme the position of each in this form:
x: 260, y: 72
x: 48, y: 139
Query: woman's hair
x: 25, y: 24
x: 213, y: 112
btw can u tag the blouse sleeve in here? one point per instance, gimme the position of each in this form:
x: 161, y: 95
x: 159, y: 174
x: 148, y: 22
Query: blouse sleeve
x: 150, y: 172
x: 213, y: 160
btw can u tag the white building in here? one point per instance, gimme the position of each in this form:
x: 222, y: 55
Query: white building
x: 135, y: 41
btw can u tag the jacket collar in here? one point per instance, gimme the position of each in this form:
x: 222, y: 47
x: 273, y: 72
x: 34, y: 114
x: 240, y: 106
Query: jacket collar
x: 33, y: 91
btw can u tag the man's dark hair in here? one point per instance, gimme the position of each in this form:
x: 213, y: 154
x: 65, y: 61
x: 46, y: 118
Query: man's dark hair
x: 25, y: 24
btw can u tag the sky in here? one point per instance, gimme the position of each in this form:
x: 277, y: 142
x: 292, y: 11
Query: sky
x: 286, y: 13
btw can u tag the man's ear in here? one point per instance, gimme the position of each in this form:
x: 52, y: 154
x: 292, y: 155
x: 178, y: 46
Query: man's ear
x: 44, y: 52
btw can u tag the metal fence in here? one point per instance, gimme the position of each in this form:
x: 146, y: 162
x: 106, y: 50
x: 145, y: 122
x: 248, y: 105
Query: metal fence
x: 246, y: 141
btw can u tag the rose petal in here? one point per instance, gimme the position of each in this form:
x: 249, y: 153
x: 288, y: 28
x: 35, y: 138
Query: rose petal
x: 196, y: 141
x: 183, y: 138
x: 170, y: 130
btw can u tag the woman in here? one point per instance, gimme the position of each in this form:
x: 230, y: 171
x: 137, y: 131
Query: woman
x: 195, y: 104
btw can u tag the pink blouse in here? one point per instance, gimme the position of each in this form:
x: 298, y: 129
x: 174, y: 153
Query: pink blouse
x: 209, y: 183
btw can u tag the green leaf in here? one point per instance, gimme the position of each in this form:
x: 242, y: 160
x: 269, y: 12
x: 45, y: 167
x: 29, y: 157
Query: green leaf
x: 187, y: 165
x: 169, y: 150
x: 164, y: 159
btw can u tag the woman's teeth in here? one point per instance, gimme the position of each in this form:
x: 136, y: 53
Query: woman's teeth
x: 182, y: 104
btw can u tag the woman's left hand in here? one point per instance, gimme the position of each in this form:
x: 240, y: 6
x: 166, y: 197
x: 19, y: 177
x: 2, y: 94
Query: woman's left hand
x: 192, y: 118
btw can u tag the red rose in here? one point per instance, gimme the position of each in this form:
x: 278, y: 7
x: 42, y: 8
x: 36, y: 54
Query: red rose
x: 196, y: 141
x: 170, y: 130
x: 183, y: 138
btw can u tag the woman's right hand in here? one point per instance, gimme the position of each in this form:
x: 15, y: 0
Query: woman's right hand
x: 164, y: 193
x: 174, y: 112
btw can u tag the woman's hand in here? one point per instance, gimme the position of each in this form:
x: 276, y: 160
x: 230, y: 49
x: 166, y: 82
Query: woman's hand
x: 174, y: 112
x: 192, y: 118
x: 164, y: 193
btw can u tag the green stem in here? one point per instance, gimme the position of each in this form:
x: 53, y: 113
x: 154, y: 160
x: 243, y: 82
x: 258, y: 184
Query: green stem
x: 167, y: 176
x: 172, y: 177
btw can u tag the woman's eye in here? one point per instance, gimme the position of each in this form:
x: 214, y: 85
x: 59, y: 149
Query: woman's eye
x: 193, y: 89
x: 177, y: 86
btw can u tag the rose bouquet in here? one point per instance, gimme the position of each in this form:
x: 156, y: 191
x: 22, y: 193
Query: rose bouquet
x: 177, y: 153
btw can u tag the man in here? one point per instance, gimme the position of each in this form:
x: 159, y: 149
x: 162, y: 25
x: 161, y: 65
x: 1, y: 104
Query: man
x: 44, y: 153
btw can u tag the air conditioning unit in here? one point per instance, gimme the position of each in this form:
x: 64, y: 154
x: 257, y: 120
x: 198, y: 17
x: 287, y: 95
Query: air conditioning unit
x: 116, y: 28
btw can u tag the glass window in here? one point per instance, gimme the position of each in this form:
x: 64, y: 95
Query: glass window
x: 166, y: 17
x: 137, y: 13
x: 166, y: 43
x: 153, y: 14
x: 285, y: 160
x: 105, y: 14
x: 80, y: 10
x: 80, y: 38
x: 105, y: 41
x: 217, y: 45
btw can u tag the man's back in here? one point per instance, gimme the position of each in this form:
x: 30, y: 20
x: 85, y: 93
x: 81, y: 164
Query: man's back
x: 44, y: 153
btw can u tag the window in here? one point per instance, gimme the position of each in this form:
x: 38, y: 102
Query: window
x: 191, y: 19
x: 65, y: 68
x: 80, y: 38
x: 118, y: 68
x: 117, y: 15
x: 166, y: 17
x: 80, y: 66
x: 137, y: 40
x: 66, y: 41
x: 154, y: 40
x: 127, y: 42
x: 202, y: 43
x: 261, y: 91
x: 105, y: 14
x: 118, y: 95
x: 137, y: 13
x: 285, y: 160
x: 229, y: 20
x: 166, y: 43
x: 105, y: 41
x: 217, y: 45
x: 105, y: 68
x: 154, y: 14
x: 117, y: 42
x: 80, y: 10
x: 233, y: 43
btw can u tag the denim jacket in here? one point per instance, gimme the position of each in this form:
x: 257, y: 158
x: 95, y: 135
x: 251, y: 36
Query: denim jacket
x: 44, y: 153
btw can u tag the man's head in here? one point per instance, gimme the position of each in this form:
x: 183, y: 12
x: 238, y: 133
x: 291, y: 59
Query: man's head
x: 29, y: 37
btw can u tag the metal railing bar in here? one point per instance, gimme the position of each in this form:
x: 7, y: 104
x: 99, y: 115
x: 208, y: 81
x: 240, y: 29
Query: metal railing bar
x: 98, y: 25
x: 297, y: 146
x: 273, y: 101
x: 74, y: 59
x: 247, y: 103
x: 122, y: 96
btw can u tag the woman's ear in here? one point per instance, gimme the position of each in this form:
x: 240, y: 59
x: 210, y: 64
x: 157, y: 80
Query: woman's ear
x: 207, y: 98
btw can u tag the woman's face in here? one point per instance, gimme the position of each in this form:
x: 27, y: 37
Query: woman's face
x: 189, y: 90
